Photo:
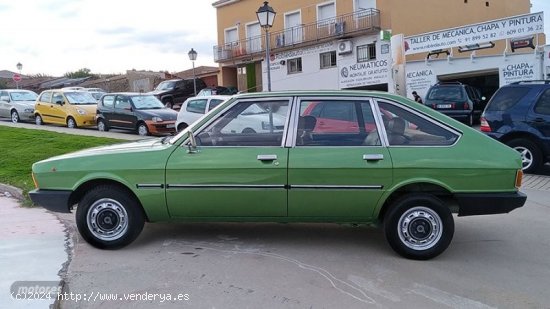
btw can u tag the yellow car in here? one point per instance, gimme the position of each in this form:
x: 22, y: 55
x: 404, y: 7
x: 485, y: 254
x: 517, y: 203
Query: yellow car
x: 72, y: 108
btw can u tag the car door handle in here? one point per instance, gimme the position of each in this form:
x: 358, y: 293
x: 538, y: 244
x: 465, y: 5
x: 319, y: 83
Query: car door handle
x: 373, y: 157
x: 267, y: 157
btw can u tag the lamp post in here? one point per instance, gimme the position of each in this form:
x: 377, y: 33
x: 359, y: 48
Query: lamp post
x: 266, y: 16
x: 193, y: 56
x: 19, y: 68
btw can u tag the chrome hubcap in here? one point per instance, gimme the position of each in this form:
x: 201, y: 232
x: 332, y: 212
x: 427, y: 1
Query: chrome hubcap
x: 107, y: 219
x: 420, y: 228
x: 526, y: 156
x: 70, y: 123
x: 101, y: 126
x: 38, y: 120
x: 14, y: 117
x: 142, y: 130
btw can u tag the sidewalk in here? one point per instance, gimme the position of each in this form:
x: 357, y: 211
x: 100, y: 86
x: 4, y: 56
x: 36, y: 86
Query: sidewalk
x: 33, y: 246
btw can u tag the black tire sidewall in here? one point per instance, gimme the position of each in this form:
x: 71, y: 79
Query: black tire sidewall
x: 399, y: 207
x: 136, y: 218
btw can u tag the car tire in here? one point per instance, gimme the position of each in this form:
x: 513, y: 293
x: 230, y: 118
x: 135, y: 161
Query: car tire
x: 71, y: 123
x: 102, y: 126
x: 531, y: 156
x: 38, y: 120
x: 470, y: 119
x: 419, y: 226
x: 15, y: 116
x: 142, y: 129
x: 108, y: 217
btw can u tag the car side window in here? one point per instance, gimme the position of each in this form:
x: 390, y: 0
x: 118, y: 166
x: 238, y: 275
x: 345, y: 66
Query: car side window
x: 46, y: 97
x: 249, y: 123
x: 58, y: 98
x: 122, y: 102
x: 108, y: 101
x: 338, y: 123
x: 404, y: 127
x: 214, y: 103
x: 543, y: 104
x: 196, y: 106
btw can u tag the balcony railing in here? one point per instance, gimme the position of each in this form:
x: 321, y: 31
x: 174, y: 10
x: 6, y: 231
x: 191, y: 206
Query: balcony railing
x: 360, y: 22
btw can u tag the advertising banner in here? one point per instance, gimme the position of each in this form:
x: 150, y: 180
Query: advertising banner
x: 420, y: 81
x: 519, y: 70
x: 511, y: 27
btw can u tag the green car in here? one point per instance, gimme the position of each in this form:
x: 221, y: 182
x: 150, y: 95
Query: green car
x: 339, y: 156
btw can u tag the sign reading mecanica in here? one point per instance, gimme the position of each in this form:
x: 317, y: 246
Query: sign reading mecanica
x: 511, y: 27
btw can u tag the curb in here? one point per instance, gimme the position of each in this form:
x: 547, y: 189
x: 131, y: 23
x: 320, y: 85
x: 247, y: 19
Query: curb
x: 11, y: 191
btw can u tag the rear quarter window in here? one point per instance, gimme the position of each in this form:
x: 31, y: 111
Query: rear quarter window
x: 506, y: 98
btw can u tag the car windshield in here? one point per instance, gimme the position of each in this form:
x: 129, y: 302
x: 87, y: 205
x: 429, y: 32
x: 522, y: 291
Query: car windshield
x: 165, y: 85
x: 446, y: 93
x: 80, y: 97
x: 147, y: 102
x: 23, y: 96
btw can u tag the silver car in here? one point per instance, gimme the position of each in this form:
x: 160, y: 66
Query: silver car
x: 17, y: 104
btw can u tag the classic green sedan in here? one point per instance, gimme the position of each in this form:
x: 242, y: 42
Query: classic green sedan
x: 341, y: 156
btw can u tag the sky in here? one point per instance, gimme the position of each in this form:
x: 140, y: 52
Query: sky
x: 54, y: 37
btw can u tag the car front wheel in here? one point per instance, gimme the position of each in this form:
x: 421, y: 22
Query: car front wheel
x: 71, y: 123
x: 142, y: 129
x: 531, y: 157
x: 14, y: 116
x: 107, y: 217
x: 419, y: 226
x: 101, y: 126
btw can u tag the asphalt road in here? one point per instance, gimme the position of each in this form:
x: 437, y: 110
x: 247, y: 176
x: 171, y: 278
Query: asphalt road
x: 498, y: 261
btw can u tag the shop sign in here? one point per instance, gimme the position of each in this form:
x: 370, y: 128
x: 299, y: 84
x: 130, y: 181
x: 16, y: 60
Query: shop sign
x: 511, y: 27
x: 518, y: 71
x: 364, y: 73
x: 420, y: 81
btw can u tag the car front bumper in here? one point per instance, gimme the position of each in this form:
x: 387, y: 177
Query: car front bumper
x: 54, y: 200
x: 473, y: 204
x: 161, y: 127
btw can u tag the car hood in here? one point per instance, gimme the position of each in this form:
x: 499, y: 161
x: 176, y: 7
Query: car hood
x: 166, y: 114
x: 157, y: 92
x: 24, y: 103
x: 140, y: 146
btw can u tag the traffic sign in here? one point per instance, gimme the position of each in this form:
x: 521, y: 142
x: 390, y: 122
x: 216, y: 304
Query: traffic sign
x: 16, y: 77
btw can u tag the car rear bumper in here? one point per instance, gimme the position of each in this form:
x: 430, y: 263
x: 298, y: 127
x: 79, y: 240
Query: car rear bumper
x: 473, y: 204
x: 456, y: 114
x: 54, y: 200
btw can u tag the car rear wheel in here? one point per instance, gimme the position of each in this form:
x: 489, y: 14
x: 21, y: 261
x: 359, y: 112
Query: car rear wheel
x: 107, y: 217
x: 101, y: 126
x: 15, y: 116
x: 142, y: 129
x: 531, y: 156
x: 419, y: 226
x: 38, y: 120
x: 71, y: 123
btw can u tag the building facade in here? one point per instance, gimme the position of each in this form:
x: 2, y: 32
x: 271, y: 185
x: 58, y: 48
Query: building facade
x: 338, y: 44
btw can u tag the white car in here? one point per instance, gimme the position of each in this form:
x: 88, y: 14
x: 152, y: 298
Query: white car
x: 196, y: 107
x: 17, y: 104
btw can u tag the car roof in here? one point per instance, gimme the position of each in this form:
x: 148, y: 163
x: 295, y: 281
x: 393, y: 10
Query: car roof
x: 130, y: 93
x: 313, y: 93
x: 214, y: 96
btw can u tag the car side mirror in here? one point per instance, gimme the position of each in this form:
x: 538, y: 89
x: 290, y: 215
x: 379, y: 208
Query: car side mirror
x: 483, y: 98
x: 128, y: 108
x: 192, y: 146
x: 5, y: 98
x: 59, y: 102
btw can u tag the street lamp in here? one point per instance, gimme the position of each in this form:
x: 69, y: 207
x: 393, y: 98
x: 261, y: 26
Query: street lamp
x: 266, y: 16
x: 19, y: 67
x: 193, y: 56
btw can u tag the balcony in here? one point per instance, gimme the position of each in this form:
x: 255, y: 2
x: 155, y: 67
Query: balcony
x: 343, y: 26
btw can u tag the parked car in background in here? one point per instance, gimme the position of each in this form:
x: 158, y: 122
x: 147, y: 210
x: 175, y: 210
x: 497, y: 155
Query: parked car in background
x: 196, y: 107
x: 141, y: 113
x: 72, y: 108
x: 457, y: 100
x: 217, y: 90
x: 519, y: 116
x: 17, y: 104
x: 74, y: 88
x: 175, y: 91
x: 97, y: 93
x: 406, y: 178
